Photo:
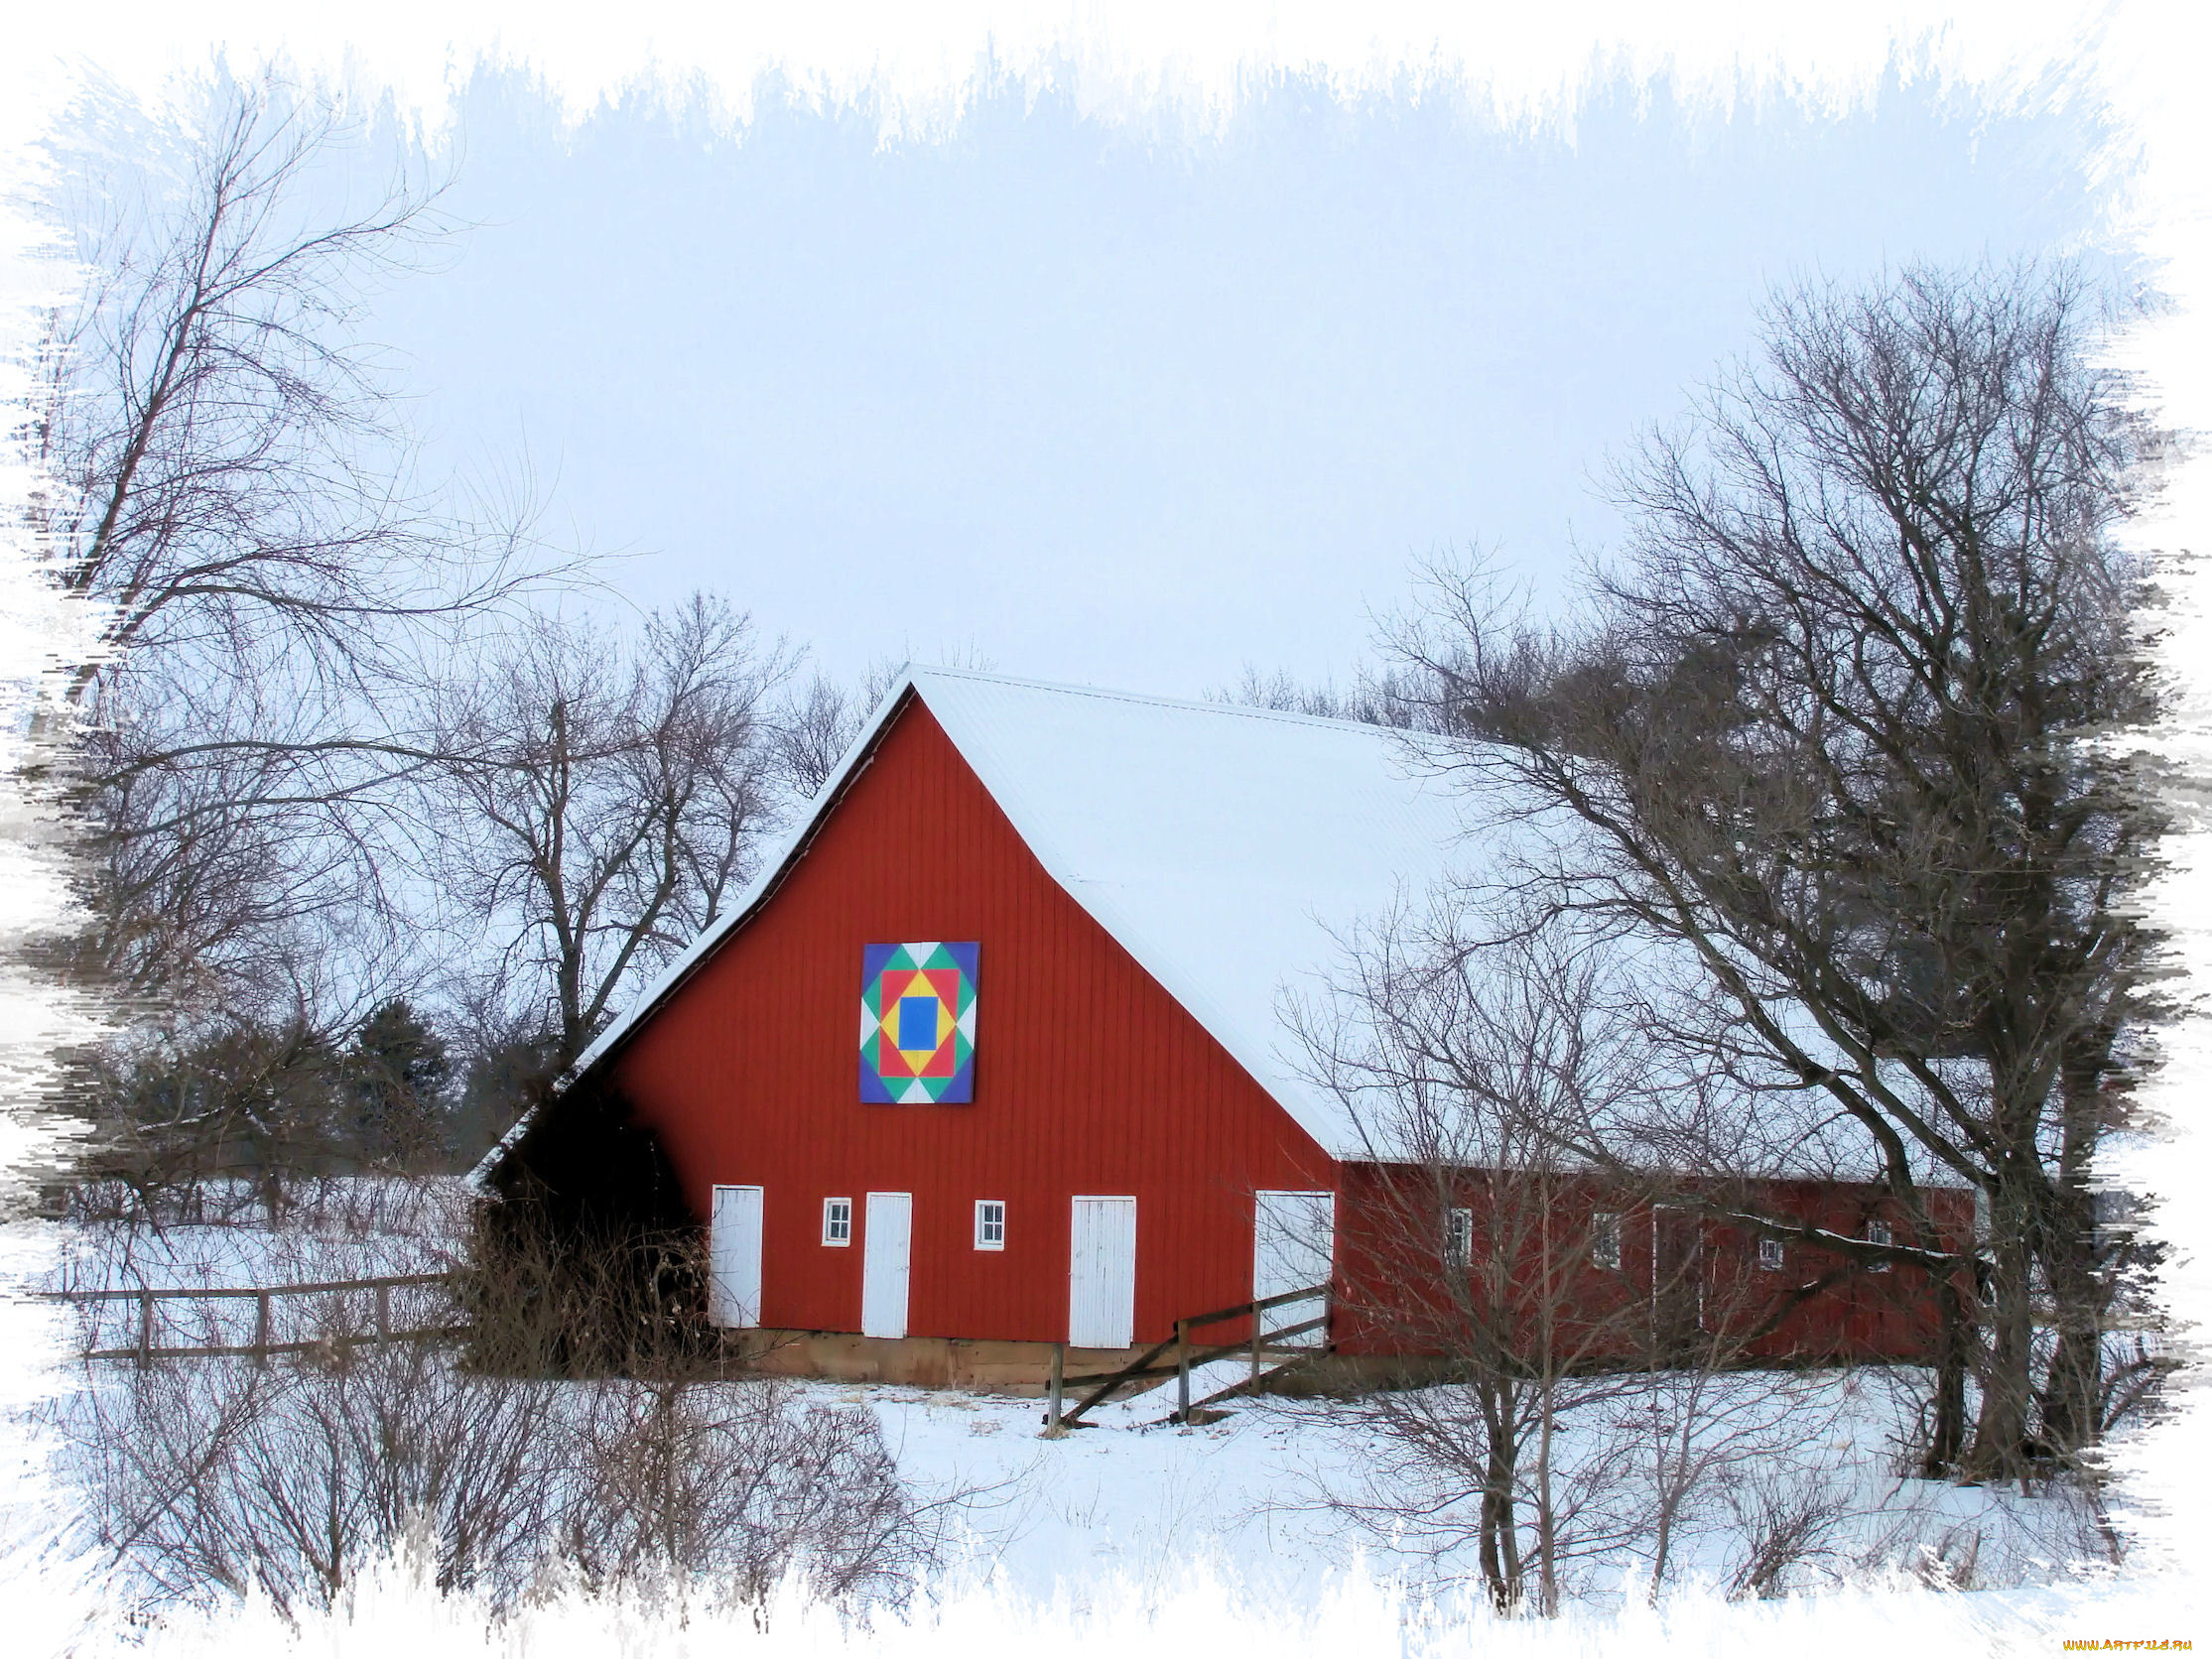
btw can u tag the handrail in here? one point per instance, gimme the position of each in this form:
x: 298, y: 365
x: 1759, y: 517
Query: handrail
x: 1260, y: 1307
x: 1141, y: 1368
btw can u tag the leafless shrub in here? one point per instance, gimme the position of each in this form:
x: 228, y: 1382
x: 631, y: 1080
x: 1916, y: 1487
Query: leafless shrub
x: 220, y: 1476
x: 2008, y: 1538
x: 742, y: 1485
x: 215, y: 1476
x: 1788, y: 1517
x: 603, y: 1295
x: 208, y: 1478
x: 1696, y: 1437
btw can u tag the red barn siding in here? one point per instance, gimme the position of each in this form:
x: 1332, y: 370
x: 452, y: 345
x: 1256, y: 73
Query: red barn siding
x: 1393, y: 1299
x: 1089, y: 1077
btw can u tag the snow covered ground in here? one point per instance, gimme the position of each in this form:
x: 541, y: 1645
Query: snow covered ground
x: 1250, y: 1496
x: 1134, y: 1519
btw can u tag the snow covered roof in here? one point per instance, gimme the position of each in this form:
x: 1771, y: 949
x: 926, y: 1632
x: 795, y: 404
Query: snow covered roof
x: 1231, y: 851
x: 1226, y: 848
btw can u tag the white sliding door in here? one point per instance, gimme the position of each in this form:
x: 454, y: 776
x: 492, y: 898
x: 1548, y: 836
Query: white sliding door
x: 733, y: 1258
x: 1294, y: 1245
x: 1101, y: 1273
x: 886, y: 1256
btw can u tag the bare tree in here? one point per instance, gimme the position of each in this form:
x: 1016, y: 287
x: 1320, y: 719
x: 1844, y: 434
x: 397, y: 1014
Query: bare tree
x: 1384, y: 696
x: 600, y: 801
x: 1558, y: 1210
x: 818, y: 724
x: 225, y: 483
x: 1835, y: 728
x: 1481, y: 1245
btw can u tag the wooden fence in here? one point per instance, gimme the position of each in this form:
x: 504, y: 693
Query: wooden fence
x: 381, y: 1329
x: 1270, y: 1354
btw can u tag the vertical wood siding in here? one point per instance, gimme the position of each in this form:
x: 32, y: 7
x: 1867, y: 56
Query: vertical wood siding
x: 1088, y: 1077
x: 1818, y: 1306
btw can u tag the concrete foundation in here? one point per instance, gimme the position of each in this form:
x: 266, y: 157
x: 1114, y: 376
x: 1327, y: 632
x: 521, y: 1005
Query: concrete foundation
x: 1003, y: 1367
x: 984, y: 1367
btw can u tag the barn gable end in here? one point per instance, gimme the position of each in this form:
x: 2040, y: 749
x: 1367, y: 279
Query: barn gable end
x: 1090, y: 1078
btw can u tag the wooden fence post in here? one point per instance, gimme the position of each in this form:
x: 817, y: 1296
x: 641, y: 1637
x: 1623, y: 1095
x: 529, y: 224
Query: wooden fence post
x: 1182, y: 1370
x: 145, y: 1328
x: 383, y: 1313
x: 261, y: 1328
x: 1052, y: 1413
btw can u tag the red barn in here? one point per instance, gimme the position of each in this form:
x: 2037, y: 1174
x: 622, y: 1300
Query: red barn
x: 989, y: 1058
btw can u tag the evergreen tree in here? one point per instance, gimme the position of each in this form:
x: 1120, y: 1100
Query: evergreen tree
x: 398, y: 1073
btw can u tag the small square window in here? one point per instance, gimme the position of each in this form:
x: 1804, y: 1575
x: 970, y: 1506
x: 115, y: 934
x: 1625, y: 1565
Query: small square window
x: 1459, y: 1236
x: 1877, y: 1233
x: 1604, y: 1240
x: 1772, y: 1257
x: 837, y: 1221
x: 991, y: 1223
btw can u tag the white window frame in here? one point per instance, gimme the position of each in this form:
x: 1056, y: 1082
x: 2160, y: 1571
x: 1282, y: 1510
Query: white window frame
x: 1459, y: 1236
x: 1877, y: 1233
x: 984, y: 1221
x: 1773, y: 1255
x: 1605, y: 1239
x: 830, y: 1217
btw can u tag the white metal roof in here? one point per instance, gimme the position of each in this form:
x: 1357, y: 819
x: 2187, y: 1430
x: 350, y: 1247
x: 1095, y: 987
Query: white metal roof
x: 1225, y: 848
x: 1230, y: 850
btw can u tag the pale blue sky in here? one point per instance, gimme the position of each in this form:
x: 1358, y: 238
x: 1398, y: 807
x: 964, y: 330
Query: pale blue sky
x: 1105, y: 406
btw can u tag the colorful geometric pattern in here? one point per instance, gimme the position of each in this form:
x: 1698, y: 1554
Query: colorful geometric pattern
x: 918, y: 1024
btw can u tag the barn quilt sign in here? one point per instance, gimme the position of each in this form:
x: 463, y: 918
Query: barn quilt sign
x: 918, y: 1023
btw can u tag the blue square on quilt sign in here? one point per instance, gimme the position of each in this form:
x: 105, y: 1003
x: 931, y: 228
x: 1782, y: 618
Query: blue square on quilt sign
x: 918, y: 1022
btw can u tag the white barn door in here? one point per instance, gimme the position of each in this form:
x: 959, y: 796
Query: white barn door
x: 1101, y: 1273
x: 887, y: 1258
x: 733, y: 1258
x: 1294, y: 1245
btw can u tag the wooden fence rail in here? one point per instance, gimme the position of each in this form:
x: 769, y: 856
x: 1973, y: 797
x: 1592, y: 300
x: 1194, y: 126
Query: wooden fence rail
x: 1260, y: 1345
x: 144, y: 1352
